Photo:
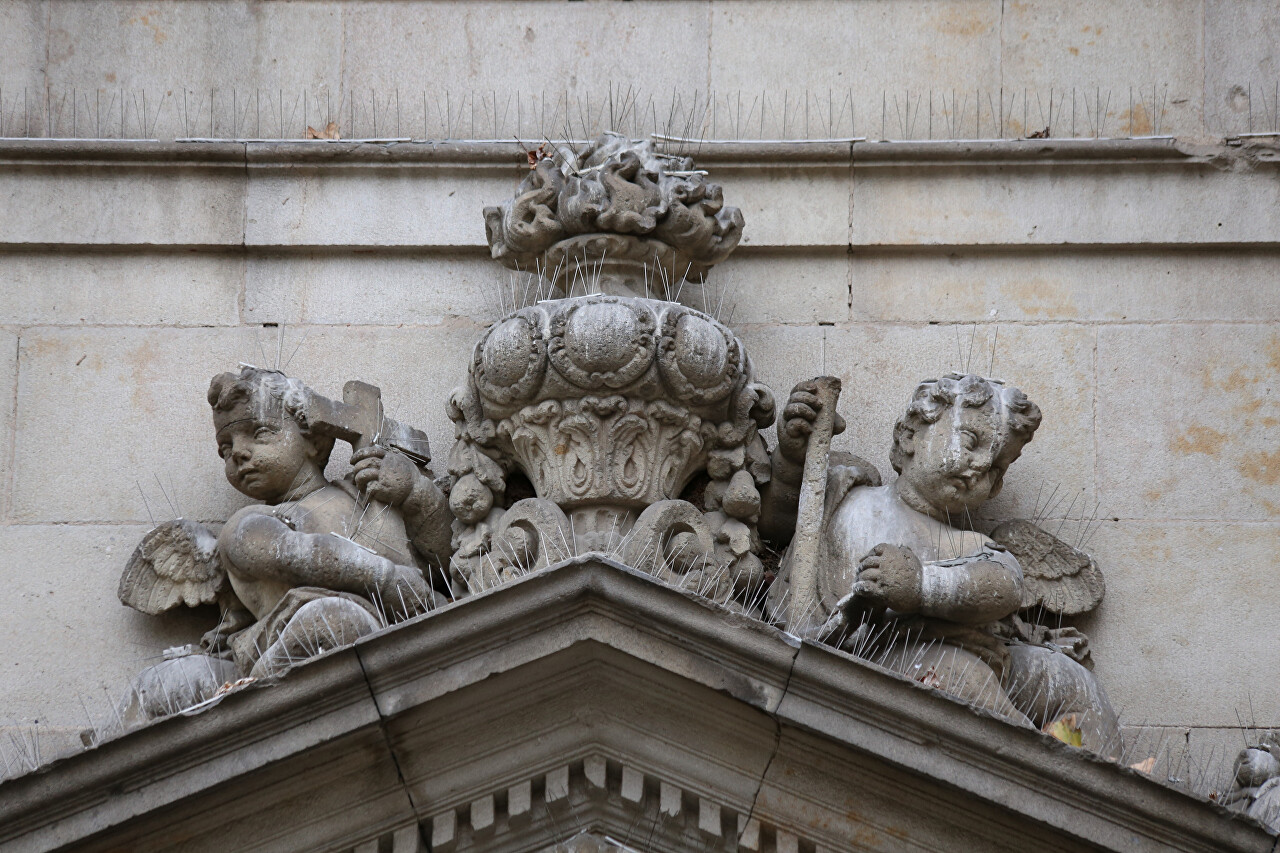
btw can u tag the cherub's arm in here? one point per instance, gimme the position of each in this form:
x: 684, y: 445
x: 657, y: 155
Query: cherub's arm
x: 780, y: 498
x: 391, y: 477
x: 262, y: 546
x: 976, y: 589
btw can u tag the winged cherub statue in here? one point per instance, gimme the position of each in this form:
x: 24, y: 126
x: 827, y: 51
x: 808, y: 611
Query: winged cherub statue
x: 318, y: 563
x: 901, y: 566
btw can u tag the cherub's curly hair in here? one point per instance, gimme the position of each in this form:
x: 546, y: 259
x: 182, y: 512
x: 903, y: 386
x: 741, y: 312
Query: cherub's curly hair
x: 1019, y: 416
x: 269, y: 393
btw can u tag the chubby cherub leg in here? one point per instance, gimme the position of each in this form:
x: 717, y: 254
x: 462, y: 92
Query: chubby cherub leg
x: 1047, y: 685
x: 957, y: 672
x: 318, y: 626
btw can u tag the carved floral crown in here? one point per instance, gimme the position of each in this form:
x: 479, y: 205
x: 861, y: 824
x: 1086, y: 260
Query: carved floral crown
x: 618, y: 204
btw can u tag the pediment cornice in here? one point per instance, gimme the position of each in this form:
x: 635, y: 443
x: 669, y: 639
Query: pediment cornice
x: 598, y: 676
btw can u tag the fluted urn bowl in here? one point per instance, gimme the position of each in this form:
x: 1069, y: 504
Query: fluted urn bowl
x: 610, y: 399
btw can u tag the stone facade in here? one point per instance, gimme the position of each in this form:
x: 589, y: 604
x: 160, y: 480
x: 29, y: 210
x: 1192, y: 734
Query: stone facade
x: 1129, y: 286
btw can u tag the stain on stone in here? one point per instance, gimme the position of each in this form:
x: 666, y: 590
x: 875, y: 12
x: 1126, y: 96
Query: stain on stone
x: 1262, y: 468
x: 1199, y: 439
x: 1040, y: 297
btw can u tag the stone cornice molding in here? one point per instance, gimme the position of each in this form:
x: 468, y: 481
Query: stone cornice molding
x: 507, y: 156
x: 593, y: 659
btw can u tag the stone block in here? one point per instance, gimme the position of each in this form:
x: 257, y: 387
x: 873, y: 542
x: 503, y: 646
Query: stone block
x: 8, y: 383
x: 133, y: 288
x: 135, y: 403
x: 1126, y: 285
x: 375, y: 288
x: 381, y: 207
x: 1202, y: 666
x: 556, y: 785
x: 880, y: 367
x: 520, y: 799
x: 783, y: 356
x: 1241, y: 66
x: 789, y: 206
x: 62, y: 579
x: 118, y: 408
x: 123, y: 206
x: 24, y: 47
x: 1191, y: 204
x: 482, y: 813
x: 778, y: 287
x: 872, y: 53
x: 266, y: 55
x: 530, y: 60
x: 1155, y: 48
x: 1187, y: 417
x: 669, y: 799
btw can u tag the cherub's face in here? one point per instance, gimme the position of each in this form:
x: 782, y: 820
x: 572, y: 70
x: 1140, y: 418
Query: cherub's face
x: 264, y: 458
x: 954, y: 464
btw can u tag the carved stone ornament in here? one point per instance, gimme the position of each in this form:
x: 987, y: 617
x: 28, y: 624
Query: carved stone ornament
x: 610, y: 407
x: 616, y: 207
x: 314, y: 566
x: 904, y: 567
x: 1256, y: 782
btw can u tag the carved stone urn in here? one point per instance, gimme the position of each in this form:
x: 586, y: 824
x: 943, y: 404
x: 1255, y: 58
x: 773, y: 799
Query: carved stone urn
x: 610, y: 407
x: 634, y: 421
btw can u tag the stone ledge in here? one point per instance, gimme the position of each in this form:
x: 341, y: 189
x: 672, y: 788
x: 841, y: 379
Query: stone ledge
x: 589, y: 624
x: 757, y: 153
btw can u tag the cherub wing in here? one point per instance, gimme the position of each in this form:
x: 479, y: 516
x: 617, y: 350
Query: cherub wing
x: 176, y: 563
x: 1056, y: 576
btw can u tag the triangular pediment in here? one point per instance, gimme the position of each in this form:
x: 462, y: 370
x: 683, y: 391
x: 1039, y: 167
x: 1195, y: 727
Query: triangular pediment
x: 591, y: 705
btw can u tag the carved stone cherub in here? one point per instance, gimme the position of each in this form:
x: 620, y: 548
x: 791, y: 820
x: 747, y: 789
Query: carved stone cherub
x: 901, y: 565
x: 317, y: 563
x: 1256, y: 787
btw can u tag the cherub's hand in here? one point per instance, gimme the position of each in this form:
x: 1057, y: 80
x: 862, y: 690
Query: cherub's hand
x: 384, y: 475
x: 797, y: 421
x: 890, y: 576
x: 404, y: 593
x: 1070, y: 642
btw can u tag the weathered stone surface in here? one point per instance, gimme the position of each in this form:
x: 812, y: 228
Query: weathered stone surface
x: 945, y: 206
x: 290, y: 207
x: 411, y: 289
x: 785, y: 355
x: 62, y: 580
x: 132, y: 289
x: 9, y: 382
x: 859, y: 47
x: 211, y: 48
x: 23, y: 51
x: 1036, y: 285
x: 547, y: 49
x: 121, y: 205
x: 778, y: 287
x: 1158, y: 669
x: 1240, y: 65
x: 1187, y: 415
x: 791, y: 206
x: 1156, y: 43
x: 160, y: 426
x: 138, y: 395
